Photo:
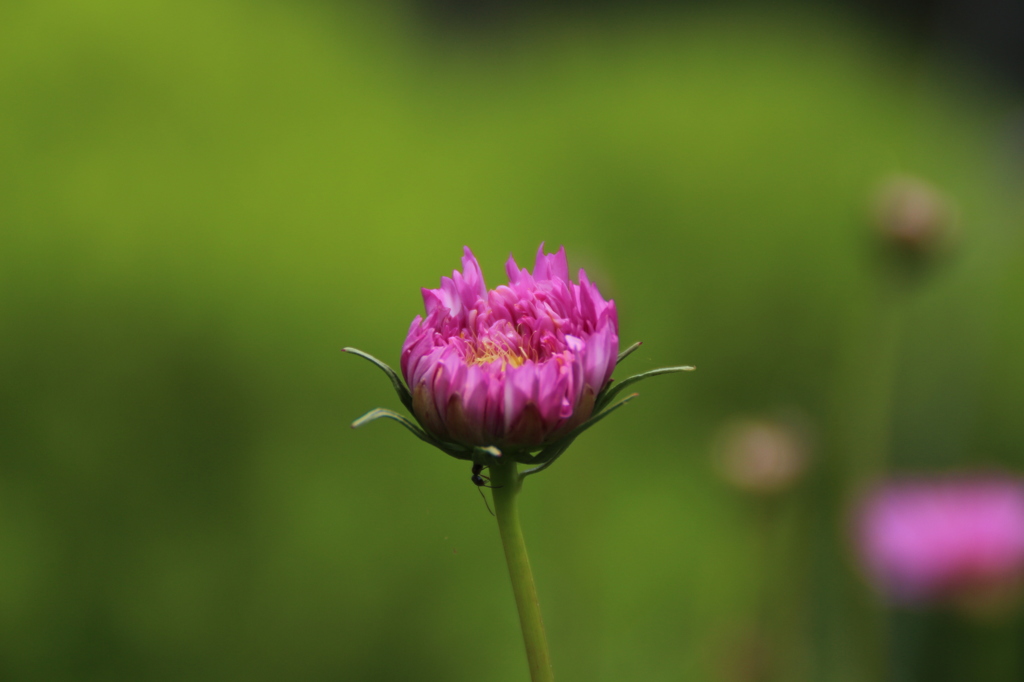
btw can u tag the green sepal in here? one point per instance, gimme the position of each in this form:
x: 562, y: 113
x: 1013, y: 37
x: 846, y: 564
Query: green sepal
x: 487, y: 455
x: 629, y: 351
x: 396, y: 381
x: 548, y: 455
x: 384, y: 413
x: 451, y: 449
x: 609, y: 392
x: 598, y: 417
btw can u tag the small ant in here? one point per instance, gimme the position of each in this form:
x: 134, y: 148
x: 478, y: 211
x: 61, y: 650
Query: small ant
x: 481, y: 482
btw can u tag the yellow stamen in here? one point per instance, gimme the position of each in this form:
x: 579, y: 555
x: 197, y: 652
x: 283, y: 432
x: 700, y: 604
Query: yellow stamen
x: 484, y: 352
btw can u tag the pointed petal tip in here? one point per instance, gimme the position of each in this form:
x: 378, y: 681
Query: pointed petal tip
x: 538, y: 259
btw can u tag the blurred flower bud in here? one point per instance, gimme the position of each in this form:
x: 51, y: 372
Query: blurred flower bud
x: 912, y: 217
x: 761, y: 455
x: 959, y: 540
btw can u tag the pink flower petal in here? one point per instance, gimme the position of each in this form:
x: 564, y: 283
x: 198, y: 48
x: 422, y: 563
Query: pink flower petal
x: 513, y: 366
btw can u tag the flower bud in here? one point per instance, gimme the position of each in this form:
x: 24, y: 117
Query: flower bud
x: 912, y: 218
x: 762, y: 456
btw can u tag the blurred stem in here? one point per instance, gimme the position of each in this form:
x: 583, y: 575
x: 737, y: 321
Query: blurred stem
x: 908, y: 634
x: 772, y: 591
x: 850, y: 625
x: 506, y: 485
x: 865, y: 408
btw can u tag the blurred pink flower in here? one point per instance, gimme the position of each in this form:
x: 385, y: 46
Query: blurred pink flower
x: 943, y: 538
x: 517, y: 366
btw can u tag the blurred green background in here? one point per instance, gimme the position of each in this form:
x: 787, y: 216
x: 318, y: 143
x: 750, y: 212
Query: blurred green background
x: 202, y: 202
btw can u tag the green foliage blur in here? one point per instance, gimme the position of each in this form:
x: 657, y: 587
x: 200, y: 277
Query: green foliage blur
x: 202, y: 202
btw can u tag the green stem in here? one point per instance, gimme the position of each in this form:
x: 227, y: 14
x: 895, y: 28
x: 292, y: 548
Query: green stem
x: 506, y: 483
x: 850, y: 625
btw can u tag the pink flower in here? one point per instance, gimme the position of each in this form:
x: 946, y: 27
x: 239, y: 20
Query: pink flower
x: 517, y: 372
x: 514, y: 367
x: 932, y: 539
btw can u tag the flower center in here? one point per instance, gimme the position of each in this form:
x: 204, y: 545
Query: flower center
x: 485, y: 351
